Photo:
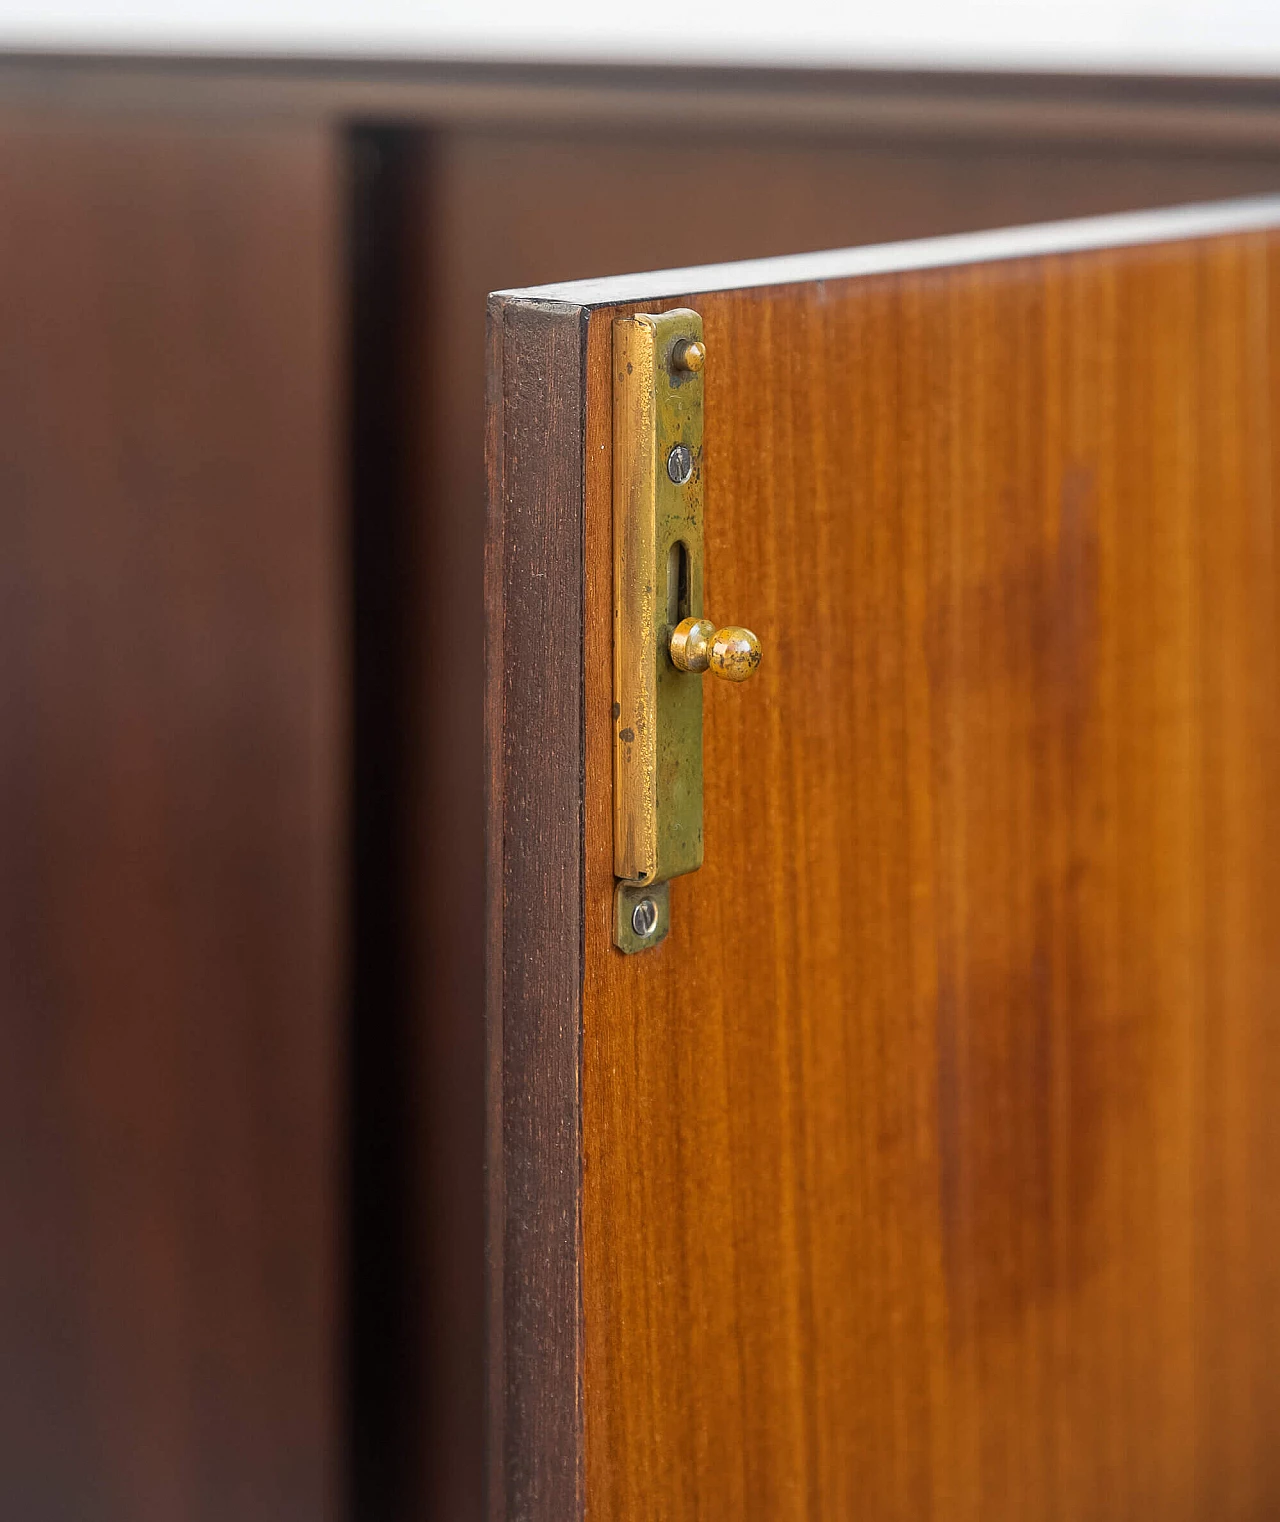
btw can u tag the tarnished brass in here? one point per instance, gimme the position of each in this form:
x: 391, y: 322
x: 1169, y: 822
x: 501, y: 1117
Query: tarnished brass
x: 689, y: 355
x: 691, y: 643
x: 735, y: 654
x: 658, y: 561
x: 641, y: 916
x: 661, y: 642
x: 731, y: 653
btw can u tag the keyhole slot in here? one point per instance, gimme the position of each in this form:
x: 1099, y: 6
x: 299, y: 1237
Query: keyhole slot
x: 678, y: 583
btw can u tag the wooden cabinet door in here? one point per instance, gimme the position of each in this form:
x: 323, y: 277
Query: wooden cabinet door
x: 928, y: 1169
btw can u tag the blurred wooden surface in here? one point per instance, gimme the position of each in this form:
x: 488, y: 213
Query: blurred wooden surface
x: 1183, y: 114
x: 172, y: 731
x: 928, y: 1168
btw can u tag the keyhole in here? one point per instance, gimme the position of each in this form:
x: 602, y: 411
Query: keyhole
x: 678, y: 583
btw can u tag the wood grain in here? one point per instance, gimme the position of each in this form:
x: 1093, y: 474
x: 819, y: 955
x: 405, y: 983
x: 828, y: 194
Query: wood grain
x: 496, y: 207
x: 928, y: 1168
x: 172, y: 820
x: 533, y: 727
x: 516, y: 180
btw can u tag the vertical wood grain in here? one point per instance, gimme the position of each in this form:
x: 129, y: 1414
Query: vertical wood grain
x: 172, y: 819
x: 533, y: 590
x: 928, y: 1167
x: 493, y: 205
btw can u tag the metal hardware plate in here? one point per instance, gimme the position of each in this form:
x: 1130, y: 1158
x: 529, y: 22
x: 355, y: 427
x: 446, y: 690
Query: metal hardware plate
x: 657, y: 508
x: 642, y: 916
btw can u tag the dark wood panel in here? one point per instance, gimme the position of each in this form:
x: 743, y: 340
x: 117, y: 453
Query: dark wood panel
x: 518, y: 182
x: 534, y: 793
x: 1181, y: 113
x: 172, y: 819
x: 928, y: 1166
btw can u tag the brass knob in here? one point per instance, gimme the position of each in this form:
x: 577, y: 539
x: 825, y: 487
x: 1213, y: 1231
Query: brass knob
x: 731, y: 653
x: 689, y: 354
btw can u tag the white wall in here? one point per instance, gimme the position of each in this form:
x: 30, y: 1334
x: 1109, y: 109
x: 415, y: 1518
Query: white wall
x: 1236, y: 36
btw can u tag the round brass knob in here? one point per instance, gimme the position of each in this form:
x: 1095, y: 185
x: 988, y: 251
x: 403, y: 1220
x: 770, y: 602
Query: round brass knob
x: 731, y: 653
x: 689, y: 354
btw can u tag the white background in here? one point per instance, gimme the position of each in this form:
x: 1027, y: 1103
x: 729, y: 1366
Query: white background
x: 1231, y: 36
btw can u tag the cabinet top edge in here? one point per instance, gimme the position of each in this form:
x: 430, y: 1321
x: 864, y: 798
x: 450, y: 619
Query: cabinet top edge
x: 1080, y: 235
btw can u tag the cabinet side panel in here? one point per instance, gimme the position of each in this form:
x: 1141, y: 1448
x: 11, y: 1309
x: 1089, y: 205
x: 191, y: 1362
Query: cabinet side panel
x: 172, y: 818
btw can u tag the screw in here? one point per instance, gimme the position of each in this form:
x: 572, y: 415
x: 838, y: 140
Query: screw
x: 644, y: 918
x: 680, y: 464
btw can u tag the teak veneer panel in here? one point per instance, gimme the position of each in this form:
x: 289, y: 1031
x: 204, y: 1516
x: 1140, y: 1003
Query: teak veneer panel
x: 927, y: 1169
x: 493, y: 208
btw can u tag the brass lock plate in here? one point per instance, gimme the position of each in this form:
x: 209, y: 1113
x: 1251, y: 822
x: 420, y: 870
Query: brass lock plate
x: 657, y: 583
x: 642, y: 916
